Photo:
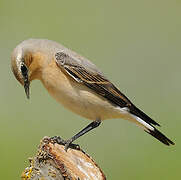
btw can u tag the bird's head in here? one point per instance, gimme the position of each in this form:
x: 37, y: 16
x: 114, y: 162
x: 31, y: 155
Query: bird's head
x: 29, y: 59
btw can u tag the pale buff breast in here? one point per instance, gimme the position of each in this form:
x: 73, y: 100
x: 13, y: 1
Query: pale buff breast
x: 76, y: 96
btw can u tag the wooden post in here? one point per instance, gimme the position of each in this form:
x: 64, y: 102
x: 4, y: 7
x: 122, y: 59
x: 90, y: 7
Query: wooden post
x: 52, y: 162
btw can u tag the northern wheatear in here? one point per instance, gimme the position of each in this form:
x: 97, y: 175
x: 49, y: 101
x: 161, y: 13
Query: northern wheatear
x: 77, y: 84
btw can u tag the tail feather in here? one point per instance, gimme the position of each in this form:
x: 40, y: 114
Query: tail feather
x: 149, y: 128
x: 161, y: 137
x: 137, y: 112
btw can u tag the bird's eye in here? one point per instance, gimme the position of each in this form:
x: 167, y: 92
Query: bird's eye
x: 24, y: 70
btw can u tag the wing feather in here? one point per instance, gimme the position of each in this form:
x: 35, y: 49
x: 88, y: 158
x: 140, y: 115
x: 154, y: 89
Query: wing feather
x: 85, y: 72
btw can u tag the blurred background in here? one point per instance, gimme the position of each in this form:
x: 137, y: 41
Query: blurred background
x: 137, y: 44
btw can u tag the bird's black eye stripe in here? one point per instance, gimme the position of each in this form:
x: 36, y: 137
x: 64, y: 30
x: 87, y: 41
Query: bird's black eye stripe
x: 24, y: 70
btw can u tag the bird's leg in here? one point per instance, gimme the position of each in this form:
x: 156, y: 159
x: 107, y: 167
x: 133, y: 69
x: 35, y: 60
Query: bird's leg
x: 91, y: 126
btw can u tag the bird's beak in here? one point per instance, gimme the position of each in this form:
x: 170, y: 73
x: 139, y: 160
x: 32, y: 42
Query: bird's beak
x: 27, y: 88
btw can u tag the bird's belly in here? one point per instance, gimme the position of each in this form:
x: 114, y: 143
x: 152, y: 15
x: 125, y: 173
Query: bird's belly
x: 80, y: 99
x: 86, y: 104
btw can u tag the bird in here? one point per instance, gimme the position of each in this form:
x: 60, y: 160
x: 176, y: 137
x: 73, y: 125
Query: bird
x: 77, y: 84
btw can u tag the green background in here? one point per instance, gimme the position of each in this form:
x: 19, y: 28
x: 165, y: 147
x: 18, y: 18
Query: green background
x: 137, y: 44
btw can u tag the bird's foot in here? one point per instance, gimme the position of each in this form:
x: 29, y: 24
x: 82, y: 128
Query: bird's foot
x: 58, y: 140
x: 67, y: 143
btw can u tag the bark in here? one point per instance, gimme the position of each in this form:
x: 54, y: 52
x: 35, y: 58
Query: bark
x: 52, y: 162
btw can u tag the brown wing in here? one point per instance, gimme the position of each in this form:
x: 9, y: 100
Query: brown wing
x: 92, y: 79
x: 99, y: 84
x: 86, y: 73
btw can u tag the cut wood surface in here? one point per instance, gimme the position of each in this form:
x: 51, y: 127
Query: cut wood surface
x: 52, y: 162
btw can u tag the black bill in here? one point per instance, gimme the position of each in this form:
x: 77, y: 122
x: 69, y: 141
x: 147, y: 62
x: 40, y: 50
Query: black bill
x: 27, y: 88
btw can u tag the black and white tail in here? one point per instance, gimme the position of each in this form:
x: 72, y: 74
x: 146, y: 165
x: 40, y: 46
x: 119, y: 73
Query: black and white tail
x: 161, y: 137
x: 147, y: 123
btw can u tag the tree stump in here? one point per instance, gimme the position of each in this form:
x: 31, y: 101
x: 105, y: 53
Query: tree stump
x: 52, y: 162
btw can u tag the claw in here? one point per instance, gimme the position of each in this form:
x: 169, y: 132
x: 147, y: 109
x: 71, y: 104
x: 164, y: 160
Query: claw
x: 68, y: 145
x: 58, y: 140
